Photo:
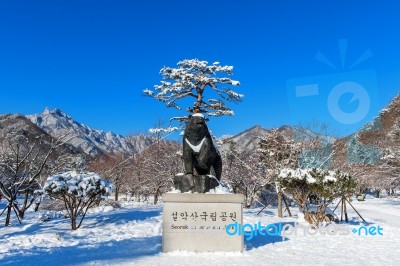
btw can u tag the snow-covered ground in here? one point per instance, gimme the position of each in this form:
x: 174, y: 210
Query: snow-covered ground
x: 132, y: 236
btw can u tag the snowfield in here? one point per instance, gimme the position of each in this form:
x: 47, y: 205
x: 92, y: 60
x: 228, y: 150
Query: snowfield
x: 132, y: 234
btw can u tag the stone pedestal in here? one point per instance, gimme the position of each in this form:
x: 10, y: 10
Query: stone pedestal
x: 197, y: 222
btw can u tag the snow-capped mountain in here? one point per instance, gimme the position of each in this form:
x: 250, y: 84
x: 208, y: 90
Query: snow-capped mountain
x: 91, y: 141
x: 246, y: 140
x: 249, y: 139
x: 18, y: 129
x: 378, y: 133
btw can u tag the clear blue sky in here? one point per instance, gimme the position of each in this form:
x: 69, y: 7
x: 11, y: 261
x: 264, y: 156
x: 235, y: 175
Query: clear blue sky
x: 92, y: 59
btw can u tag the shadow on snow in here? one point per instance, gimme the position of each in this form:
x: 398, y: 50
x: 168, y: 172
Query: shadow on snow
x: 131, y: 249
x: 119, y: 217
x: 263, y: 240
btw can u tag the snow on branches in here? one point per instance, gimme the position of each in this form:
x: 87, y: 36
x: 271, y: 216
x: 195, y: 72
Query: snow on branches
x: 307, y: 174
x: 82, y: 185
x: 78, y: 191
x: 163, y: 130
x: 190, y: 79
x: 320, y: 184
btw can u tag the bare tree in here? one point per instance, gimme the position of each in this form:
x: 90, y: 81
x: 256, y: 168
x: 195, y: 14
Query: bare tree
x: 160, y: 163
x: 114, y: 167
x: 244, y: 173
x: 135, y: 182
x: 21, y: 165
x: 279, y: 151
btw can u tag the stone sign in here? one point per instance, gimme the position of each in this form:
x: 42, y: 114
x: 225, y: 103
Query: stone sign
x: 197, y: 222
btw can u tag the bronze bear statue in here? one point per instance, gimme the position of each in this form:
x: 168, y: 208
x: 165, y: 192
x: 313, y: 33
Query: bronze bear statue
x: 200, y: 154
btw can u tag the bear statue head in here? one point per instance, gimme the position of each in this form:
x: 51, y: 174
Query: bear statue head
x: 196, y: 128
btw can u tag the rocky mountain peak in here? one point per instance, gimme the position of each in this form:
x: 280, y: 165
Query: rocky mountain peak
x: 57, y: 123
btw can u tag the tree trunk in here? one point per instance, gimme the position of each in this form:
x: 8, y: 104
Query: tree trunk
x: 37, y: 207
x: 250, y: 200
x: 287, y: 205
x: 280, y: 215
x: 308, y: 217
x: 116, y: 192
x: 21, y: 212
x: 73, y: 222
x: 137, y: 196
x: 341, y: 210
x: 8, y: 217
x: 156, y: 196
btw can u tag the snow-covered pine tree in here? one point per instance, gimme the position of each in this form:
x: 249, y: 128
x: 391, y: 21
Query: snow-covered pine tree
x: 324, y: 185
x: 191, y: 79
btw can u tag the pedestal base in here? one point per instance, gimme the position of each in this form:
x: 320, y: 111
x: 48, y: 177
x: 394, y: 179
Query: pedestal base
x: 197, y: 222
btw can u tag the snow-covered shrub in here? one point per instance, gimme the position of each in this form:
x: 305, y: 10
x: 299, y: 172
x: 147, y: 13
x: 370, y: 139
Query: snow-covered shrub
x: 78, y: 191
x: 51, y: 215
x: 323, y: 186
